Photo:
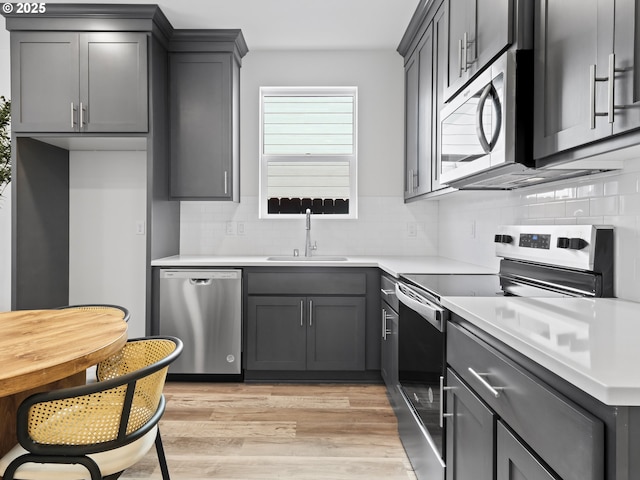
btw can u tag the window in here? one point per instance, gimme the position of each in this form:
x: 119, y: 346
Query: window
x: 308, y: 151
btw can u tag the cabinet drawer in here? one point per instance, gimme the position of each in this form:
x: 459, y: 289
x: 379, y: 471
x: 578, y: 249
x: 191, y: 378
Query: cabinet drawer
x: 305, y: 283
x: 388, y: 292
x: 567, y: 438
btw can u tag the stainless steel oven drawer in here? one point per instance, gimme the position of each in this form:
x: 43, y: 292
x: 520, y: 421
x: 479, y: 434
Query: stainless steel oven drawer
x: 568, y: 438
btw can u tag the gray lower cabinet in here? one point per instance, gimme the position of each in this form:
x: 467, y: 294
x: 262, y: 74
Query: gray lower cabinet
x: 305, y: 333
x: 586, y: 86
x: 89, y: 82
x: 470, y: 433
x: 514, y: 461
x: 276, y: 334
x: 204, y: 82
x: 501, y: 418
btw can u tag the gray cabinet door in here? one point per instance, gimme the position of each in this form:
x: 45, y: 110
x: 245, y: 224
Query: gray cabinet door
x: 72, y: 82
x: 571, y: 36
x: 201, y: 125
x: 515, y: 462
x: 44, y: 79
x: 336, y: 333
x: 412, y: 109
x: 470, y: 433
x: 440, y: 35
x: 389, y: 350
x: 627, y: 58
x: 478, y: 31
x: 419, y: 110
x: 276, y: 333
x: 461, y: 44
x: 113, y: 82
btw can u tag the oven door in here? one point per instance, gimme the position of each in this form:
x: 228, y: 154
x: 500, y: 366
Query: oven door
x: 421, y: 364
x: 472, y: 137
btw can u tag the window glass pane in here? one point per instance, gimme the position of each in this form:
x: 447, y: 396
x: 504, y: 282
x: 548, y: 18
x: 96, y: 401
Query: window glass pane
x: 303, y: 125
x: 308, y: 179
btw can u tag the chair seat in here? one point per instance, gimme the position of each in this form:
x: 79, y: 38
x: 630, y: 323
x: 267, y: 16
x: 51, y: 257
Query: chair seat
x: 110, y: 462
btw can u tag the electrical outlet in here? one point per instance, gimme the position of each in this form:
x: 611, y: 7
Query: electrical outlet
x: 231, y: 228
x: 240, y: 228
x: 412, y: 229
x: 140, y: 227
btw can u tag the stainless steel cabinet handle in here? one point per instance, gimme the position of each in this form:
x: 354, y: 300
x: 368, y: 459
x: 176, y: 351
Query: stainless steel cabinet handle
x: 480, y: 377
x: 592, y: 95
x: 226, y: 182
x: 612, y: 87
x: 611, y: 91
x: 460, y: 67
x: 442, y: 390
x: 81, y: 115
x: 465, y: 47
x: 311, y: 313
x: 302, y: 313
x: 387, y: 292
x: 73, y: 120
x: 385, y: 330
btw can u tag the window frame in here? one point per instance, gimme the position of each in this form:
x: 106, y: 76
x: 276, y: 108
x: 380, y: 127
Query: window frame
x: 264, y: 159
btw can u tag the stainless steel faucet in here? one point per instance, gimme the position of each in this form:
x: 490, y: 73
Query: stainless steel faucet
x: 308, y: 248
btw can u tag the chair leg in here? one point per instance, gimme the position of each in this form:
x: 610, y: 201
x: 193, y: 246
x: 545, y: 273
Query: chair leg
x: 161, y: 458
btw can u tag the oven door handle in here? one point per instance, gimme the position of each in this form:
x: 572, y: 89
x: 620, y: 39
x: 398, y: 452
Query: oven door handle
x: 434, y: 314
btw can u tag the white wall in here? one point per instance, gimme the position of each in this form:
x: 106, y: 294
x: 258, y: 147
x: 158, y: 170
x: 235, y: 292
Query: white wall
x: 5, y: 200
x: 385, y: 224
x: 107, y: 258
x: 610, y: 199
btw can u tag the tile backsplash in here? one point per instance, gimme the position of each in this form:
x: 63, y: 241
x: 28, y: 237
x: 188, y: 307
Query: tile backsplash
x: 468, y: 219
x: 385, y: 226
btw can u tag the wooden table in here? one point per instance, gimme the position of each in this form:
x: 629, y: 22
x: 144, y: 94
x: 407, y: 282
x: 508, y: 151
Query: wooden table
x: 42, y: 350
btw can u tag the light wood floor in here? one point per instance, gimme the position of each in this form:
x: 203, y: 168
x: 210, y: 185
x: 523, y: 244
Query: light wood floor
x: 248, y: 431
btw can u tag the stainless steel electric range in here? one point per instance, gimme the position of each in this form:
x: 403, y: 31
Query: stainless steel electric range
x: 536, y: 261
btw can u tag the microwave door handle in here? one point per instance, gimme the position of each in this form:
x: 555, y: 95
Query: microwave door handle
x: 489, y: 91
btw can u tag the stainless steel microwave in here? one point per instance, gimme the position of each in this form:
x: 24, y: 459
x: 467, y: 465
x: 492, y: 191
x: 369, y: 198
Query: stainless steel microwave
x: 486, y: 134
x: 489, y: 123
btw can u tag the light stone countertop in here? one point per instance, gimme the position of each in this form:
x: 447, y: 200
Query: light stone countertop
x: 591, y: 343
x: 393, y: 265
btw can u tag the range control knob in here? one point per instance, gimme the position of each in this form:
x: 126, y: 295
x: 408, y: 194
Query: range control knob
x: 571, y: 243
x: 503, y: 239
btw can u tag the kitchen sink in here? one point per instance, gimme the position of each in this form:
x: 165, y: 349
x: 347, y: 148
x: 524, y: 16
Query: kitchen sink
x: 317, y: 258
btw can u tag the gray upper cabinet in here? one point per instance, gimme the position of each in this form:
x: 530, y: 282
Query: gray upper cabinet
x: 418, y: 108
x: 205, y: 117
x: 478, y: 31
x: 79, y: 82
x: 586, y: 86
x: 424, y: 86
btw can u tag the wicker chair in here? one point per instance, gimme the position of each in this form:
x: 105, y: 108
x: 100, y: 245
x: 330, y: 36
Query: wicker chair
x: 107, y: 308
x: 96, y: 431
x: 104, y: 308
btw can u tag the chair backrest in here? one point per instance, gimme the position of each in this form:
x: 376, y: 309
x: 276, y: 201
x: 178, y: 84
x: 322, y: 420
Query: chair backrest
x: 106, y: 414
x: 102, y: 307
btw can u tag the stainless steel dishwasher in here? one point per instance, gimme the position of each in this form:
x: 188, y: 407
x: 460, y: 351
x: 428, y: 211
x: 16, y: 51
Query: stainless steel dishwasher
x: 203, y: 308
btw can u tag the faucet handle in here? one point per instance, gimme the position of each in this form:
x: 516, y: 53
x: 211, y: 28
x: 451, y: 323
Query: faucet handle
x: 315, y: 245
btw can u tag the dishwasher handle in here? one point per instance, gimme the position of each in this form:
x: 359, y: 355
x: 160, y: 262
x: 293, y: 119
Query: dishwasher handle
x: 200, y: 277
